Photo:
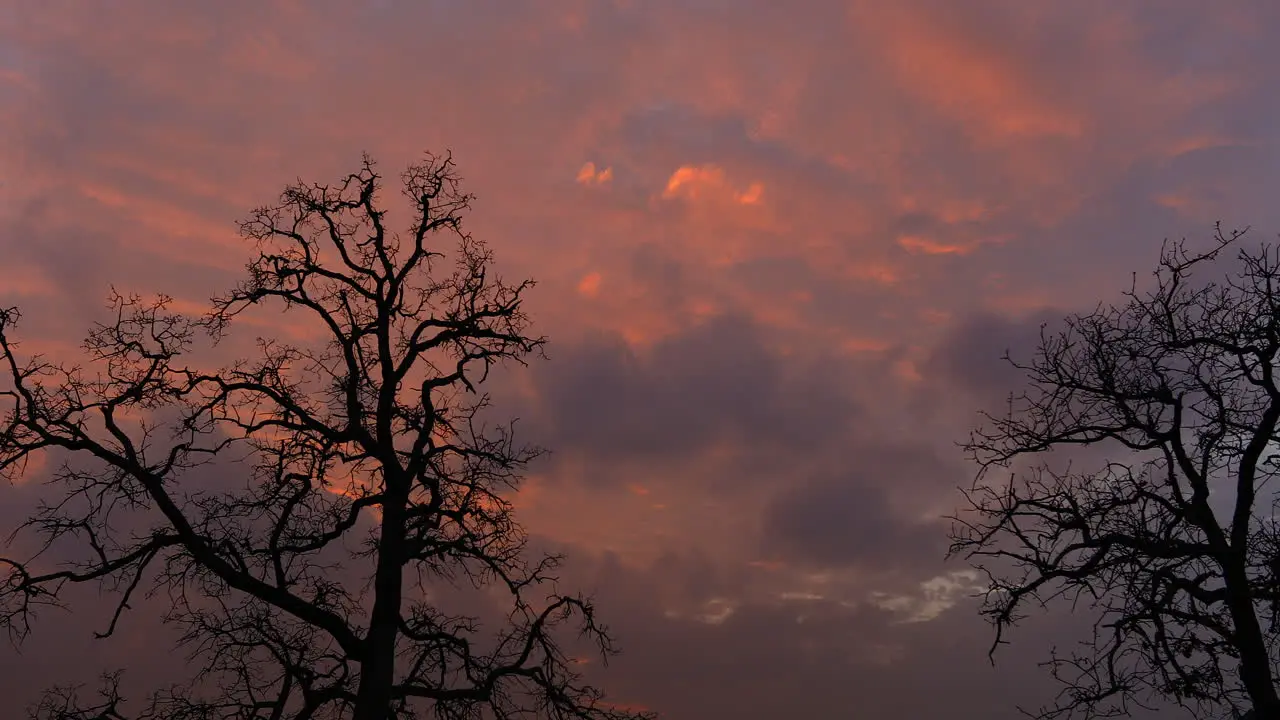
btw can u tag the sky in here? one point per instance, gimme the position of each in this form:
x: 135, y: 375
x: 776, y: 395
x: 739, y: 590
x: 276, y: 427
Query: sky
x: 780, y: 250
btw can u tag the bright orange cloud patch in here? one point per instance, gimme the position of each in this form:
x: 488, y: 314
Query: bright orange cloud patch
x: 695, y: 182
x: 690, y: 180
x: 751, y: 195
x: 920, y: 245
x: 589, y: 286
x: 924, y: 245
x: 589, y: 175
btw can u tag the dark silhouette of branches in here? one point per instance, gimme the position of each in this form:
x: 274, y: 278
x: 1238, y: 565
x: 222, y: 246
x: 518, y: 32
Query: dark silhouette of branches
x: 1174, y: 541
x: 357, y: 469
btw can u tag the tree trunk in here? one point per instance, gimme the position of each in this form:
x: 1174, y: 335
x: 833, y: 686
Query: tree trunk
x: 378, y: 666
x: 1255, y: 661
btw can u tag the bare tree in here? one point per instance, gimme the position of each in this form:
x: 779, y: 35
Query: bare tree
x: 1173, y: 542
x: 356, y: 470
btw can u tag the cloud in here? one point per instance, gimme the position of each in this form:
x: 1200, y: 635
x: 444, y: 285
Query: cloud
x: 717, y: 381
x: 850, y: 655
x: 971, y: 355
x: 780, y: 251
x: 589, y: 285
x: 932, y: 598
x: 589, y: 175
x: 863, y: 516
x: 706, y: 182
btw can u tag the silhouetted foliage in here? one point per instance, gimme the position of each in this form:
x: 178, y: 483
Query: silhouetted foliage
x: 355, y: 470
x: 1174, y: 541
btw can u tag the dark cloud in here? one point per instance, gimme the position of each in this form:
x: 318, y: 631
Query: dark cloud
x: 852, y: 659
x: 715, y: 382
x: 850, y: 519
x: 971, y: 356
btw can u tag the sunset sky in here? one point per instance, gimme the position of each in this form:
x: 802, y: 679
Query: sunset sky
x: 780, y: 249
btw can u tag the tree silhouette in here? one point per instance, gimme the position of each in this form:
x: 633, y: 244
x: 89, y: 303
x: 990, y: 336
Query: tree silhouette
x: 356, y: 469
x: 1174, y: 541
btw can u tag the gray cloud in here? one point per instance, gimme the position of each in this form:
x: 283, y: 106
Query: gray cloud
x: 715, y: 382
x: 850, y: 518
x: 806, y: 657
x: 971, y: 356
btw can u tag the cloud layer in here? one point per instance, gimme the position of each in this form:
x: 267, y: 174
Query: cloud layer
x: 780, y: 248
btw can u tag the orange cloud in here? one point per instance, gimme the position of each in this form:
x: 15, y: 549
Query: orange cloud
x: 856, y: 345
x: 589, y: 286
x: 696, y: 182
x: 1173, y: 201
x: 920, y: 245
x: 159, y: 223
x: 976, y: 82
x: 588, y: 175
x: 917, y: 244
x: 691, y: 180
x: 751, y: 195
x: 25, y: 281
x: 1184, y: 145
x: 907, y: 371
